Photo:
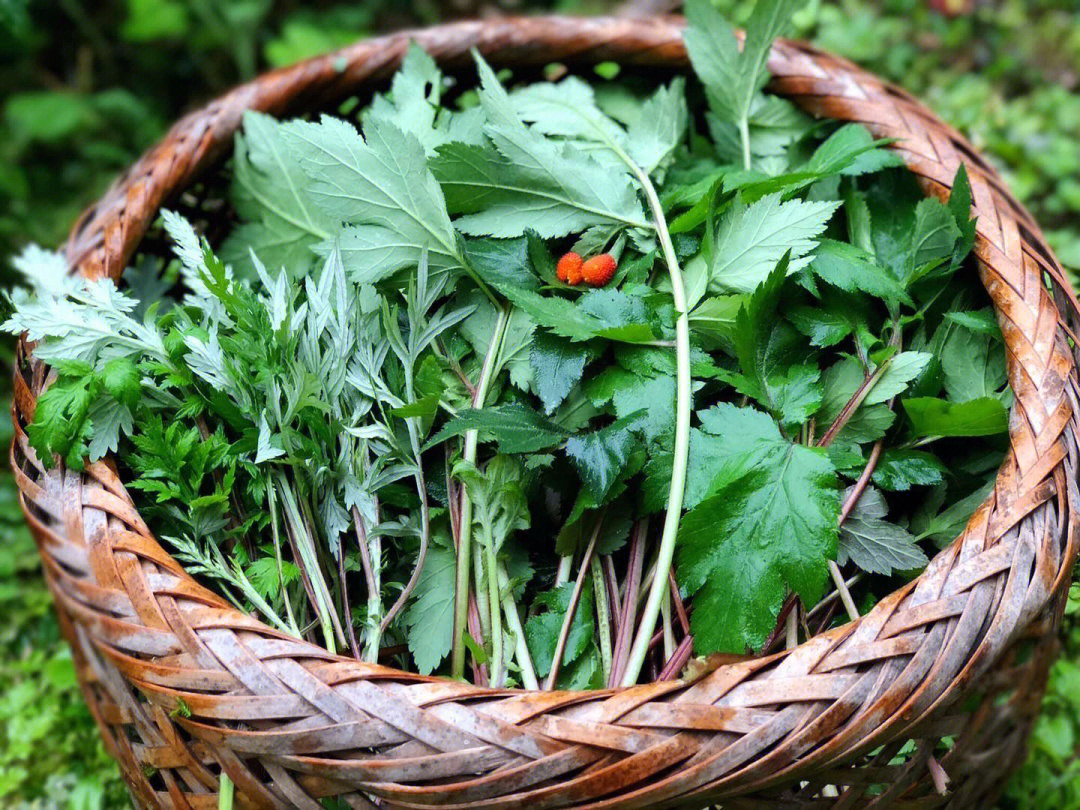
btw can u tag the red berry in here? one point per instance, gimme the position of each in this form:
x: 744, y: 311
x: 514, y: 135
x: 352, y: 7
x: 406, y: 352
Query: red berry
x: 569, y: 269
x: 598, y: 270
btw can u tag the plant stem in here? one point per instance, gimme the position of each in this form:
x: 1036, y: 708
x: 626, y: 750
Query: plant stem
x: 562, y: 573
x: 603, y: 615
x: 464, y: 550
x: 744, y: 136
x: 571, y: 608
x: 675, y: 664
x: 682, y: 440
x: 665, y: 621
x: 272, y: 509
x: 304, y: 548
x: 853, y: 405
x: 481, y: 595
x: 513, y: 622
x: 680, y: 607
x: 791, y: 640
x: 853, y: 498
x: 226, y: 792
x: 498, y: 659
x: 369, y: 576
x: 425, y: 530
x: 628, y: 611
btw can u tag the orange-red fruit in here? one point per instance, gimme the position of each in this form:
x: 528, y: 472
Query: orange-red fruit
x: 598, y: 270
x: 569, y: 269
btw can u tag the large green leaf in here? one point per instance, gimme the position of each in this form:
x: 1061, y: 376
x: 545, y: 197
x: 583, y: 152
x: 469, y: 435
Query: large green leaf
x: 929, y: 416
x: 522, y: 180
x: 771, y: 526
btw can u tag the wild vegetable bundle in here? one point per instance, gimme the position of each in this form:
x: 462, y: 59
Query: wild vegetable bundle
x: 552, y: 379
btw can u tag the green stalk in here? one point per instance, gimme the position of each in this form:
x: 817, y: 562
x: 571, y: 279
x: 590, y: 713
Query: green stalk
x: 464, y: 549
x: 744, y: 136
x: 272, y: 502
x: 562, y: 574
x: 498, y: 658
x: 603, y: 616
x: 669, y: 633
x: 482, y: 606
x: 666, y: 552
x: 226, y: 792
x: 425, y: 515
x: 513, y: 622
x: 306, y: 549
x: 571, y: 607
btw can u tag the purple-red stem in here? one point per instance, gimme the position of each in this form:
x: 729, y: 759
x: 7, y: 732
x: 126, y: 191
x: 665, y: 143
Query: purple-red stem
x: 678, y: 660
x: 630, y: 600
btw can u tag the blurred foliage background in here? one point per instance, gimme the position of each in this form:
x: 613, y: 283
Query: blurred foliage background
x: 86, y: 85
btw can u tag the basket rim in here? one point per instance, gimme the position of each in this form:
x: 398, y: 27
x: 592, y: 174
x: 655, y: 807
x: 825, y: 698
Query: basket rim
x: 975, y: 597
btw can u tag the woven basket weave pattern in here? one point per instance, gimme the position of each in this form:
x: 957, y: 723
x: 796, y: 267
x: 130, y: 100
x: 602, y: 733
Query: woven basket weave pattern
x: 942, y: 679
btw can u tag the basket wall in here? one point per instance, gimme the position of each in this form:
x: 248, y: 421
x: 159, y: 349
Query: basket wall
x: 925, y: 702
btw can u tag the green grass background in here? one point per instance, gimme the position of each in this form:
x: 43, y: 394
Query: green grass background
x: 86, y: 86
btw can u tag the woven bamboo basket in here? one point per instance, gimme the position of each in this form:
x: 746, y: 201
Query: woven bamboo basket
x: 925, y: 702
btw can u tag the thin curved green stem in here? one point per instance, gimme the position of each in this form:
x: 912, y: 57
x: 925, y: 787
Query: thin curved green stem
x: 681, y: 454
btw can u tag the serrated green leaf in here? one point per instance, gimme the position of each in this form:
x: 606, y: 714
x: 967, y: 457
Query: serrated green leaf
x: 121, y: 379
x: 516, y: 428
x: 973, y: 364
x: 61, y: 423
x: 557, y: 367
x: 900, y: 370
x: 609, y: 314
x: 430, y: 614
x: 283, y: 221
x: 379, y: 185
x: 874, y: 544
x: 751, y: 239
x: 900, y: 470
x: 413, y: 105
x: 853, y: 269
x: 769, y: 527
x: 600, y: 457
x: 523, y: 180
x: 981, y: 320
x: 824, y: 328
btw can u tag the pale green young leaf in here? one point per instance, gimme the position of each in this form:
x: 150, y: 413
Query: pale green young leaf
x: 379, y: 185
x: 568, y: 109
x: 413, y: 105
x: 282, y: 219
x: 901, y: 370
x: 733, y: 78
x: 524, y: 181
x: 656, y: 133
